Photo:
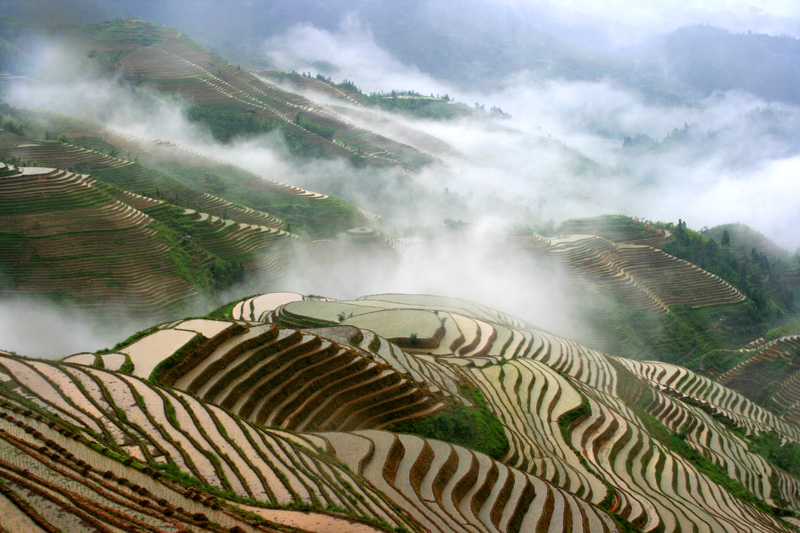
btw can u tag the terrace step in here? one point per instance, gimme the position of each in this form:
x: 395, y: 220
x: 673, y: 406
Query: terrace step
x: 449, y: 488
x: 126, y: 413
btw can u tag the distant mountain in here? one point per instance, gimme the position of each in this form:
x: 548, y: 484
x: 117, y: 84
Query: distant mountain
x: 711, y: 59
x: 492, y: 41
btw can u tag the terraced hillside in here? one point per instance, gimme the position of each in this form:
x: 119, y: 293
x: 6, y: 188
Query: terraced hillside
x: 770, y: 377
x: 594, y: 442
x: 180, y: 176
x: 618, y: 228
x: 120, y: 431
x: 350, y: 106
x: 111, y: 441
x: 64, y: 233
x: 261, y: 250
x: 113, y: 251
x: 211, y: 242
x: 170, y: 61
x: 451, y: 488
x: 600, y: 427
x: 50, y: 480
x: 644, y: 277
x: 127, y: 175
x: 279, y: 377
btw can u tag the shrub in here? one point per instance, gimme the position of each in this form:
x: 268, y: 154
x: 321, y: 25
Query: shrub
x: 475, y: 427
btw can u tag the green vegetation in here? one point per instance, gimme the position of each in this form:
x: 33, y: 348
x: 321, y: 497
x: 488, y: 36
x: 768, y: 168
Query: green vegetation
x: 407, y: 102
x: 127, y: 31
x: 417, y: 105
x: 698, y: 339
x: 318, y: 129
x: 743, y: 240
x: 346, y: 84
x: 764, y: 378
x: 476, y: 427
x: 12, y: 244
x: 676, y: 442
x: 29, y: 122
x: 229, y: 121
x: 793, y: 328
x: 768, y: 284
x: 94, y: 143
x: 570, y: 417
x: 306, y: 216
x: 702, y: 339
x: 225, y: 312
x: 14, y: 126
x: 127, y: 367
x: 201, y: 269
x: 170, y: 411
x: 196, y: 262
x: 785, y: 456
x: 130, y: 340
x: 615, y: 227
x: 166, y: 364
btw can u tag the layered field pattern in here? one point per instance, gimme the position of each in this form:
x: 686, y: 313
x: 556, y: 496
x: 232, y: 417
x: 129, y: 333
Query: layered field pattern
x: 295, y: 400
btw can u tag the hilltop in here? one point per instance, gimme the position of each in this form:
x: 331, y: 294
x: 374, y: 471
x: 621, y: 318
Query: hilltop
x: 378, y: 407
x: 744, y: 239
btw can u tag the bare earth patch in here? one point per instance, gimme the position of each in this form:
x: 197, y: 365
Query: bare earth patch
x: 316, y: 522
x: 206, y: 328
x: 146, y: 353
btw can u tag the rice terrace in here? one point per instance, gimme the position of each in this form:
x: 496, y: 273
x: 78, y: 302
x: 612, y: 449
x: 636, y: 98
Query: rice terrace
x: 265, y: 266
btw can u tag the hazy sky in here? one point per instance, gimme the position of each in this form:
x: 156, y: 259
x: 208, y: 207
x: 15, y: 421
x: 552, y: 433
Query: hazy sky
x: 767, y: 16
x: 650, y: 9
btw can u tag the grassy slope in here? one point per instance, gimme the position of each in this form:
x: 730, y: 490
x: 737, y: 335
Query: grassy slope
x: 474, y: 427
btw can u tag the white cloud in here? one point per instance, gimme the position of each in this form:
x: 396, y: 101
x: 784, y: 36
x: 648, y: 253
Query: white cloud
x: 537, y: 160
x: 39, y: 328
x: 352, y: 53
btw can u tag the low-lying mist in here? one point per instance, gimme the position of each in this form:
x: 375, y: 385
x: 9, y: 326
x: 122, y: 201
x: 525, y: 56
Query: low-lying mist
x: 474, y: 262
x: 724, y: 158
x: 37, y: 327
x: 572, y: 149
x: 727, y: 158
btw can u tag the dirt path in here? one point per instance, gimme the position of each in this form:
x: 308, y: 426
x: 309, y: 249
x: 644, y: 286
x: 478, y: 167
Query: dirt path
x: 315, y: 522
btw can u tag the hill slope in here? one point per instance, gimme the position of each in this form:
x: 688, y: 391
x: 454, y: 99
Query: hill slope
x: 589, y: 435
x: 603, y: 450
x: 64, y: 234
